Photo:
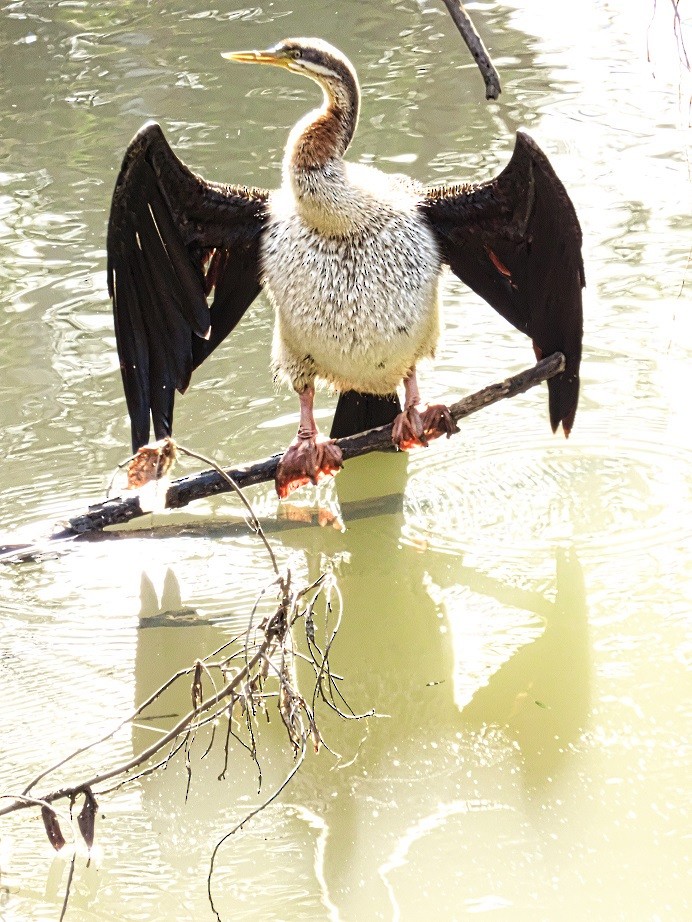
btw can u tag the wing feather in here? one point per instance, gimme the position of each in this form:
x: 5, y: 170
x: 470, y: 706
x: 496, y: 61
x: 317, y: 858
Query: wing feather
x: 168, y: 229
x: 516, y: 241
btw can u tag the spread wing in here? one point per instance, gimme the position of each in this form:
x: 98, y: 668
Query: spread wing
x: 516, y: 241
x: 173, y: 238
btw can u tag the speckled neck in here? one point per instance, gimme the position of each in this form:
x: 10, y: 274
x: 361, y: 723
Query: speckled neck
x: 326, y: 133
x: 313, y: 167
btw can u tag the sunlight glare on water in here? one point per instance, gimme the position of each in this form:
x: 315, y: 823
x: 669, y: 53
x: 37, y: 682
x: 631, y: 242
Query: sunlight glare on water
x: 517, y: 605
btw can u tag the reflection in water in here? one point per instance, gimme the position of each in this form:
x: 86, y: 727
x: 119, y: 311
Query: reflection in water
x: 427, y: 759
x: 540, y: 695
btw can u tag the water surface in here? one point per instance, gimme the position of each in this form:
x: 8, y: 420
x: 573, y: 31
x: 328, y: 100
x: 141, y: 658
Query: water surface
x: 522, y: 614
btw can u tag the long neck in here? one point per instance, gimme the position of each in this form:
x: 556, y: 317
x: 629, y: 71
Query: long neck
x: 325, y: 134
x: 313, y: 170
x: 313, y: 163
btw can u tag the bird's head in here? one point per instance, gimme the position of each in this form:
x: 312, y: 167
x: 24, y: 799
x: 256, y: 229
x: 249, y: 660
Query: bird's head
x: 325, y: 133
x: 311, y: 57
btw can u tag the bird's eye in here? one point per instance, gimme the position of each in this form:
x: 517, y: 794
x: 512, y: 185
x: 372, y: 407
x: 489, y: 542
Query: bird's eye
x: 296, y: 54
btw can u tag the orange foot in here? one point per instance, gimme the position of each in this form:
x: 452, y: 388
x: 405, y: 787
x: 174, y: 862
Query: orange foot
x: 307, y: 460
x: 413, y: 427
x: 151, y: 462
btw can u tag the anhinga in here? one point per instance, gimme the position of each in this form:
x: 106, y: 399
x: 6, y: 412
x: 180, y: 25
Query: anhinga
x: 351, y: 259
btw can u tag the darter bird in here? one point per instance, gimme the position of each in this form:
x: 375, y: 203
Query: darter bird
x: 351, y: 259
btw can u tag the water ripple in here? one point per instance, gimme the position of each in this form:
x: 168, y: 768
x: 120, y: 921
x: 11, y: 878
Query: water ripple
x: 519, y: 500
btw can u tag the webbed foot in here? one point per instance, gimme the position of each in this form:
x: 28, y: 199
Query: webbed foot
x: 407, y: 429
x: 418, y: 427
x: 308, y: 459
x: 151, y: 462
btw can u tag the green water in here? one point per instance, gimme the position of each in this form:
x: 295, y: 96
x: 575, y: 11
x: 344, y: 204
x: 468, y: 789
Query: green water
x: 522, y: 615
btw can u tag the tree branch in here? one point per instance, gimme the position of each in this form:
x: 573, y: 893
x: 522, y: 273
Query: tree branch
x: 209, y: 483
x: 275, y: 633
x: 474, y: 42
x: 120, y: 510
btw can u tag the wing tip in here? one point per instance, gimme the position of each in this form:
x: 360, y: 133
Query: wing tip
x: 150, y: 127
x: 566, y: 420
x: 525, y: 145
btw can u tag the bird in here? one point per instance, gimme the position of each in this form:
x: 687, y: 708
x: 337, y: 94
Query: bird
x: 350, y: 257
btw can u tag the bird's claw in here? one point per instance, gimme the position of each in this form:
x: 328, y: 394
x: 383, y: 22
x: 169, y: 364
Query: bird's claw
x: 437, y: 421
x: 408, y: 429
x: 307, y: 460
x: 418, y: 427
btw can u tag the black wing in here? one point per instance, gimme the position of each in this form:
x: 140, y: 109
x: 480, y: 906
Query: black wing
x: 516, y: 242
x: 172, y: 239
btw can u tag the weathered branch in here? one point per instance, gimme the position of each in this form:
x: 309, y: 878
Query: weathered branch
x: 120, y: 510
x: 209, y: 483
x: 474, y: 42
x: 272, y: 660
x: 249, y: 674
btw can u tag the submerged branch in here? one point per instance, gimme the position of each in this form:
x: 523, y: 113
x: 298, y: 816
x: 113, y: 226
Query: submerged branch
x: 262, y: 666
x: 268, y: 656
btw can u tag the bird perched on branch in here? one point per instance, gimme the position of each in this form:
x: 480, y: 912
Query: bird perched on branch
x: 351, y: 259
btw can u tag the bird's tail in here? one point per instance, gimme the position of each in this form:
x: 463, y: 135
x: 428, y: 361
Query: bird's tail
x: 357, y: 412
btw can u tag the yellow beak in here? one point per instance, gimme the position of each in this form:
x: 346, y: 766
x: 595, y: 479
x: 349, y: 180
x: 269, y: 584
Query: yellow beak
x: 256, y: 57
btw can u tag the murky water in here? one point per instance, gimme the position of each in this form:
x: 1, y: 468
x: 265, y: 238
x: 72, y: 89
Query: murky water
x: 523, y: 618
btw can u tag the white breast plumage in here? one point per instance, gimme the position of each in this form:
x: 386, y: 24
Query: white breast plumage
x: 356, y: 297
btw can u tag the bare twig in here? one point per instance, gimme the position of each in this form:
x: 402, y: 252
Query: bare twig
x: 265, y: 653
x: 69, y: 791
x: 679, y: 34
x: 474, y: 42
x: 149, y: 770
x: 254, y: 522
x: 244, y: 687
x: 68, y: 886
x: 287, y: 780
x: 129, y: 719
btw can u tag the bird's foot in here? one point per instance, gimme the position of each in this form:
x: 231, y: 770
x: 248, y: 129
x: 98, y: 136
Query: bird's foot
x: 418, y: 426
x: 151, y: 462
x: 437, y: 421
x: 308, y: 459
